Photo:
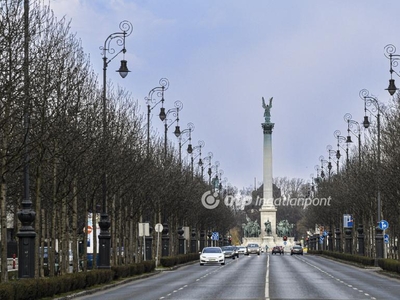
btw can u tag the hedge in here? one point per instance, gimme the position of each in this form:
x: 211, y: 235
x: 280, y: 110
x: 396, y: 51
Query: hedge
x: 386, y: 264
x: 171, y: 261
x: 37, y: 288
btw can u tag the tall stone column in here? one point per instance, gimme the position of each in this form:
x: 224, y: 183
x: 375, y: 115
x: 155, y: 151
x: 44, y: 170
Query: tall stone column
x: 268, y: 209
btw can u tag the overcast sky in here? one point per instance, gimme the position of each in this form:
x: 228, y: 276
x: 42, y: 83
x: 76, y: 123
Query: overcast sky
x: 222, y: 56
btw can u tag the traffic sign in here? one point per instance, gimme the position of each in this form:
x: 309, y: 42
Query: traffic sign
x: 215, y: 236
x: 285, y: 243
x: 386, y: 238
x: 89, y: 231
x: 383, y: 224
x: 347, y: 221
x: 325, y: 233
x: 158, y: 227
x: 144, y: 229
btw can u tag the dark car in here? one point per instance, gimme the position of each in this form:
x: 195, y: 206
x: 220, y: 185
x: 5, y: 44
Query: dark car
x: 253, y: 249
x: 277, y: 249
x: 296, y: 250
x: 230, y: 252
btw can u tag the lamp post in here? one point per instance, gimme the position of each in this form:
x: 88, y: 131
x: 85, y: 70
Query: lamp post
x: 104, y: 223
x: 318, y: 178
x: 334, y: 153
x: 368, y: 101
x: 356, y: 133
x: 312, y: 186
x: 199, y: 146
x: 209, y: 171
x: 159, y: 92
x: 341, y: 139
x: 188, y: 131
x: 393, y: 58
x: 324, y: 162
x: 178, y: 105
x: 215, y: 181
x: 26, y: 233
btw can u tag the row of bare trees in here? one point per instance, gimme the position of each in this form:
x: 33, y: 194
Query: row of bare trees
x: 354, y: 189
x: 66, y: 149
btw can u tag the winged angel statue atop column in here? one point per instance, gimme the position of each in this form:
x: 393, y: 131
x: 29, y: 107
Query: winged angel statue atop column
x: 267, y: 110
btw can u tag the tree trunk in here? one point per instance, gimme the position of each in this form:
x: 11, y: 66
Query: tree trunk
x: 38, y: 223
x: 94, y: 222
x: 3, y: 247
x: 52, y: 240
x: 74, y: 246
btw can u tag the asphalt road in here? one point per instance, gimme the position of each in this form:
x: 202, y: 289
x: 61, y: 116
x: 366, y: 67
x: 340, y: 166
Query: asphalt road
x: 242, y: 278
x: 260, y: 277
x: 314, y: 277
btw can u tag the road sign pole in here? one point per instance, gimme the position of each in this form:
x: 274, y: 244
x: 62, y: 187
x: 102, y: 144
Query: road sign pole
x: 159, y: 228
x: 158, y: 247
x: 144, y: 242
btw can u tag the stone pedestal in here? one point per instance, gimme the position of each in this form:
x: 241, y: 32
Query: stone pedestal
x: 379, y: 242
x: 348, y: 241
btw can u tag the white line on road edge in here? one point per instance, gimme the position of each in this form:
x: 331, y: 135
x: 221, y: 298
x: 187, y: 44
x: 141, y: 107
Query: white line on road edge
x: 267, y: 280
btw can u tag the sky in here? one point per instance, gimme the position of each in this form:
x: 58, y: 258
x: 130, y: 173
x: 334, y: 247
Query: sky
x: 222, y: 56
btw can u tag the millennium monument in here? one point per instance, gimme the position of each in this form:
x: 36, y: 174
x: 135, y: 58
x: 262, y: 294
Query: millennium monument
x: 264, y: 233
x: 268, y: 209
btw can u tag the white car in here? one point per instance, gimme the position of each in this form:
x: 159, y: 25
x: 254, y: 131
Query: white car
x: 242, y: 250
x: 212, y: 255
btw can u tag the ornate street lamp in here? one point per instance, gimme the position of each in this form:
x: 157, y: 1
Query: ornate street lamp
x: 215, y: 181
x: 368, y: 101
x: 178, y: 106
x: 318, y: 178
x: 341, y: 139
x: 188, y: 131
x: 159, y: 92
x: 323, y: 163
x: 393, y: 58
x: 199, y: 146
x: 104, y: 223
x: 356, y: 133
x: 333, y: 153
x: 209, y: 171
x: 312, y: 187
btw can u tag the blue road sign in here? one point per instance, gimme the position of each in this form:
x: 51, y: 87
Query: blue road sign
x: 386, y: 238
x: 348, y: 221
x: 321, y: 239
x: 325, y: 233
x: 215, y: 236
x: 383, y: 224
x: 285, y: 243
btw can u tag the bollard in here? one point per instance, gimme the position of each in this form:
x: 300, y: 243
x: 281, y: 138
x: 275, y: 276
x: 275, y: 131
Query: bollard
x: 13, y: 261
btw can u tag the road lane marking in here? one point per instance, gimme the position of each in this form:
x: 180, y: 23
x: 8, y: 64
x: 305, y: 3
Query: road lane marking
x: 198, y: 279
x: 267, y: 280
x: 337, y: 279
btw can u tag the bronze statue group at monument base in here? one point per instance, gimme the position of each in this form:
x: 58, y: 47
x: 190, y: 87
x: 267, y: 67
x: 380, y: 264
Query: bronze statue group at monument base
x: 252, y: 228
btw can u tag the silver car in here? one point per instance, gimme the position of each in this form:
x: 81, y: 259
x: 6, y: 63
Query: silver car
x: 253, y: 249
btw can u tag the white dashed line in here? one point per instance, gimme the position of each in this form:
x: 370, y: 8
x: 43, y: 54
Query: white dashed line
x: 337, y: 279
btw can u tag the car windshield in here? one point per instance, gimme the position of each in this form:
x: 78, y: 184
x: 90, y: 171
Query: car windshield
x: 296, y: 247
x: 228, y: 248
x: 211, y: 250
x: 253, y: 245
